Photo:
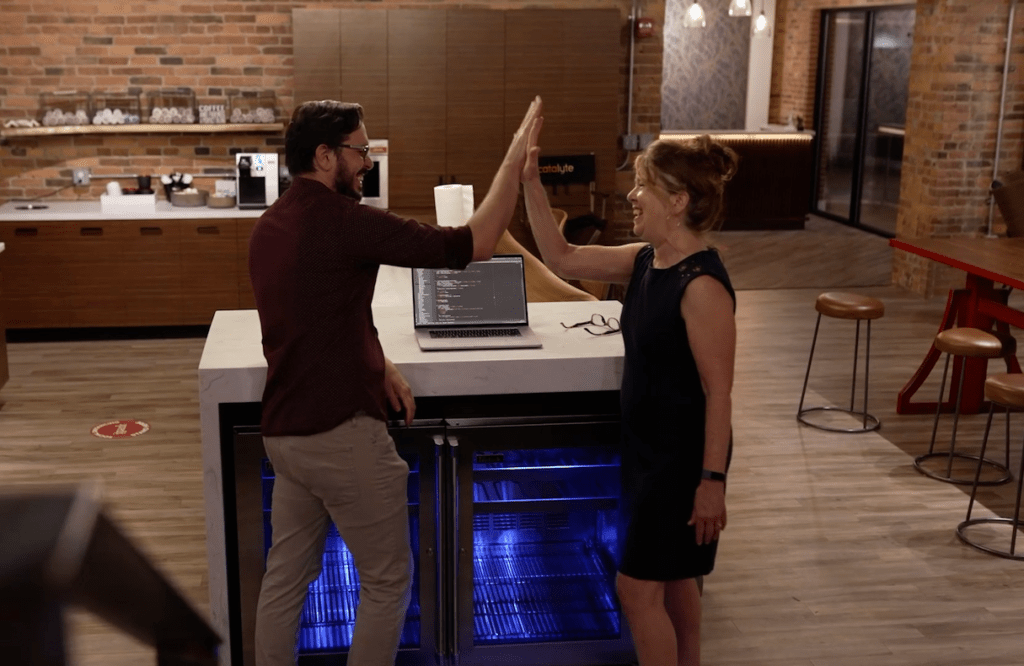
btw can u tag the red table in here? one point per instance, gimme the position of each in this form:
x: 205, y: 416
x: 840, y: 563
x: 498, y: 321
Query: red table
x: 980, y: 304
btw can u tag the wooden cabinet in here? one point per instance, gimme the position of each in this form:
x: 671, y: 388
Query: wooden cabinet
x: 448, y: 87
x: 209, y: 268
x: 4, y: 372
x: 122, y: 273
x: 37, y: 280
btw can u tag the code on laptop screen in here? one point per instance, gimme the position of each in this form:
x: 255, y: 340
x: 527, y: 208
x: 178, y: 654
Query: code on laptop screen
x: 486, y: 292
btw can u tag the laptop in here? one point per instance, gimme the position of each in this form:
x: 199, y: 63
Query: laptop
x: 481, y: 307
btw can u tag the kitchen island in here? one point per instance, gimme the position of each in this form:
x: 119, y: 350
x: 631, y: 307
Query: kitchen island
x: 573, y: 372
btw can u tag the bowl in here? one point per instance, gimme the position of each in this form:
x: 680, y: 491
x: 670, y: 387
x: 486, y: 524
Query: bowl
x: 189, y: 198
x: 214, y: 201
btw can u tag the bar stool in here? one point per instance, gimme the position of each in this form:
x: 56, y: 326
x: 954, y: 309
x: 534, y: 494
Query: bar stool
x: 845, y: 306
x: 965, y: 343
x: 1006, y: 390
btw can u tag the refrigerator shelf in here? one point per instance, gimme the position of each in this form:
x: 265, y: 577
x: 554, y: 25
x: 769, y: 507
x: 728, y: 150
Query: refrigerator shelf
x: 535, y: 592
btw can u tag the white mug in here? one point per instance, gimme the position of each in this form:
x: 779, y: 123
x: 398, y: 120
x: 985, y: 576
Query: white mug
x: 113, y: 189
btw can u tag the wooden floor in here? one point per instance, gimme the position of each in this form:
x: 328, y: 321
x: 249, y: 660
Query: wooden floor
x: 838, y: 553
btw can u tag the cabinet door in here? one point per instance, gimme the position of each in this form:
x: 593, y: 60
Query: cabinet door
x: 148, y: 272
x: 364, y: 66
x: 539, y: 503
x: 209, y: 268
x: 245, y: 297
x: 36, y: 282
x: 475, y: 119
x: 571, y: 58
x: 416, y: 106
x: 96, y: 288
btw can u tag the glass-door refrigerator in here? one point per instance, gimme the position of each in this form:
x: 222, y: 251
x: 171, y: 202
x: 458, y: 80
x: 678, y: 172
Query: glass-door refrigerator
x: 514, y: 525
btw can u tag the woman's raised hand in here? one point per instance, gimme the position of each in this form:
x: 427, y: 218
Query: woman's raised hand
x: 526, y: 135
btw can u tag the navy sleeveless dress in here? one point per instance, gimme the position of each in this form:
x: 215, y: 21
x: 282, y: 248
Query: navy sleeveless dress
x: 662, y: 404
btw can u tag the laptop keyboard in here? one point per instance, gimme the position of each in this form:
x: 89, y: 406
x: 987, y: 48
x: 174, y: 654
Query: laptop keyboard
x: 477, y: 333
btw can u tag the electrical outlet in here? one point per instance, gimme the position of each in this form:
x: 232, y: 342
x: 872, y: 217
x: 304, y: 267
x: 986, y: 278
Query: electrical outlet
x: 80, y: 176
x: 630, y: 141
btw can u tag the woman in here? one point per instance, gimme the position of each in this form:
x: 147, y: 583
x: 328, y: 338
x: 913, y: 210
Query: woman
x: 680, y: 338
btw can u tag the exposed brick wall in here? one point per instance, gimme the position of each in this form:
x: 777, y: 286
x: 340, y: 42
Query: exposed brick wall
x: 952, y: 120
x: 795, y: 57
x: 955, y: 83
x: 215, y: 49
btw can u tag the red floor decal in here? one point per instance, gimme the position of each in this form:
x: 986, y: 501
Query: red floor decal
x: 120, y: 429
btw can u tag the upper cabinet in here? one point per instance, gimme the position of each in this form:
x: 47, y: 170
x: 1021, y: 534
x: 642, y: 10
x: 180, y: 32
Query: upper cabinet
x: 448, y: 87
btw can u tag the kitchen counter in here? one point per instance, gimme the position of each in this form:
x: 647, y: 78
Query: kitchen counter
x: 772, y: 186
x: 232, y: 370
x: 59, y: 211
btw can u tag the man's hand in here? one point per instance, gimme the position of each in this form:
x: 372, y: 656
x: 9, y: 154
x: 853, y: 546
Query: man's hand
x: 398, y: 391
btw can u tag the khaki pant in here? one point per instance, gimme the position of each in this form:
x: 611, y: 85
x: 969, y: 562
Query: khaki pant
x: 353, y: 476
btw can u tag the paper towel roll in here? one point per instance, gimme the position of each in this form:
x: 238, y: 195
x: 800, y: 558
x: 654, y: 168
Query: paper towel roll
x: 453, y: 204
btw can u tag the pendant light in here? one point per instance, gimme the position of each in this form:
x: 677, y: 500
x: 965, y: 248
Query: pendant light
x: 761, y: 28
x: 740, y: 8
x: 694, y: 17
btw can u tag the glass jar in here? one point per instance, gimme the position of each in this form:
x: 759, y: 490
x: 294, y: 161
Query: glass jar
x: 68, y: 107
x: 175, y: 106
x: 256, y: 106
x: 116, y: 109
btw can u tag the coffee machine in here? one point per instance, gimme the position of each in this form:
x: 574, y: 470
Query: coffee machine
x: 258, y: 175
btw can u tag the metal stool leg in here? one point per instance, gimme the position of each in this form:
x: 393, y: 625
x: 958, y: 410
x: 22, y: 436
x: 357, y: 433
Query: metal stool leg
x: 1014, y: 522
x: 938, y: 405
x: 953, y: 453
x: 807, y: 374
x: 869, y: 422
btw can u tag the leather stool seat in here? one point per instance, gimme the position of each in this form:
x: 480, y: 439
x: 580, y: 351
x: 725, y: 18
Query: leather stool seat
x: 975, y: 343
x: 965, y: 343
x: 853, y: 307
x: 1006, y: 390
x: 842, y: 305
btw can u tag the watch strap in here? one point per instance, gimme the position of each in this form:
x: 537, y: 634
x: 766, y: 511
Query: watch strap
x: 714, y: 476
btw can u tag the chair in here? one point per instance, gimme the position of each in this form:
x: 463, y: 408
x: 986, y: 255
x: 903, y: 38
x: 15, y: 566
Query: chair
x: 964, y: 343
x: 59, y: 548
x: 1005, y: 390
x: 542, y: 285
x: 596, y: 288
x: 858, y: 308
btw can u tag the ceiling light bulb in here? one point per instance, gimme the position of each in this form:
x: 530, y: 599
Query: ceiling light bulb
x: 740, y: 8
x: 761, y: 28
x: 694, y: 17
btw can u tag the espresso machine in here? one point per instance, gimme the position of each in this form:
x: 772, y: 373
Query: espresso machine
x: 258, y: 175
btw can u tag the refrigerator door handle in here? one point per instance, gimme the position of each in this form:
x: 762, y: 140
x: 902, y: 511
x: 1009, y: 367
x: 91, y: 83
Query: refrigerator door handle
x: 441, y: 561
x: 453, y: 442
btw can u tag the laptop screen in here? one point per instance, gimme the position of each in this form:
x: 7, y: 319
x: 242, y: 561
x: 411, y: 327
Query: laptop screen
x: 485, y: 293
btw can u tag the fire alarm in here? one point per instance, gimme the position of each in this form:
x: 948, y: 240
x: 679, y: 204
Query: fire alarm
x: 644, y: 27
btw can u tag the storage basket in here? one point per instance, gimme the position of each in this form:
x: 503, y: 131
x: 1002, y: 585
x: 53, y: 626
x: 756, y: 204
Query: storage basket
x: 1010, y: 199
x: 64, y: 108
x: 116, y: 109
x: 172, y: 107
x: 258, y: 106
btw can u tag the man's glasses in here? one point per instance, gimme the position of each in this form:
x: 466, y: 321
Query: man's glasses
x: 363, y: 150
x: 611, y: 323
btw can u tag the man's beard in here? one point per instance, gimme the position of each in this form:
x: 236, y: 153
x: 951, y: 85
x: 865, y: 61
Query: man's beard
x: 345, y: 184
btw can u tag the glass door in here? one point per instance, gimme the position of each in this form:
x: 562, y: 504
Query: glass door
x: 539, y: 505
x: 328, y: 617
x: 863, y: 80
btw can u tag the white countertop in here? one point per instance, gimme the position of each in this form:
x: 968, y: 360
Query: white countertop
x: 232, y: 367
x: 232, y: 370
x: 63, y: 211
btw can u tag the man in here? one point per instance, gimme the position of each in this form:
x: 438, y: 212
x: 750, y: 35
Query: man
x: 313, y: 261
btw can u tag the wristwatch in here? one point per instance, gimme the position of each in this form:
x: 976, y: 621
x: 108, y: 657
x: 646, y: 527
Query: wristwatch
x: 714, y: 476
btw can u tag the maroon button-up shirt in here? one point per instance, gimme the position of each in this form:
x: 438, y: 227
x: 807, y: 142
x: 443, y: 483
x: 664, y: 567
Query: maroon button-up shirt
x: 313, y: 260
